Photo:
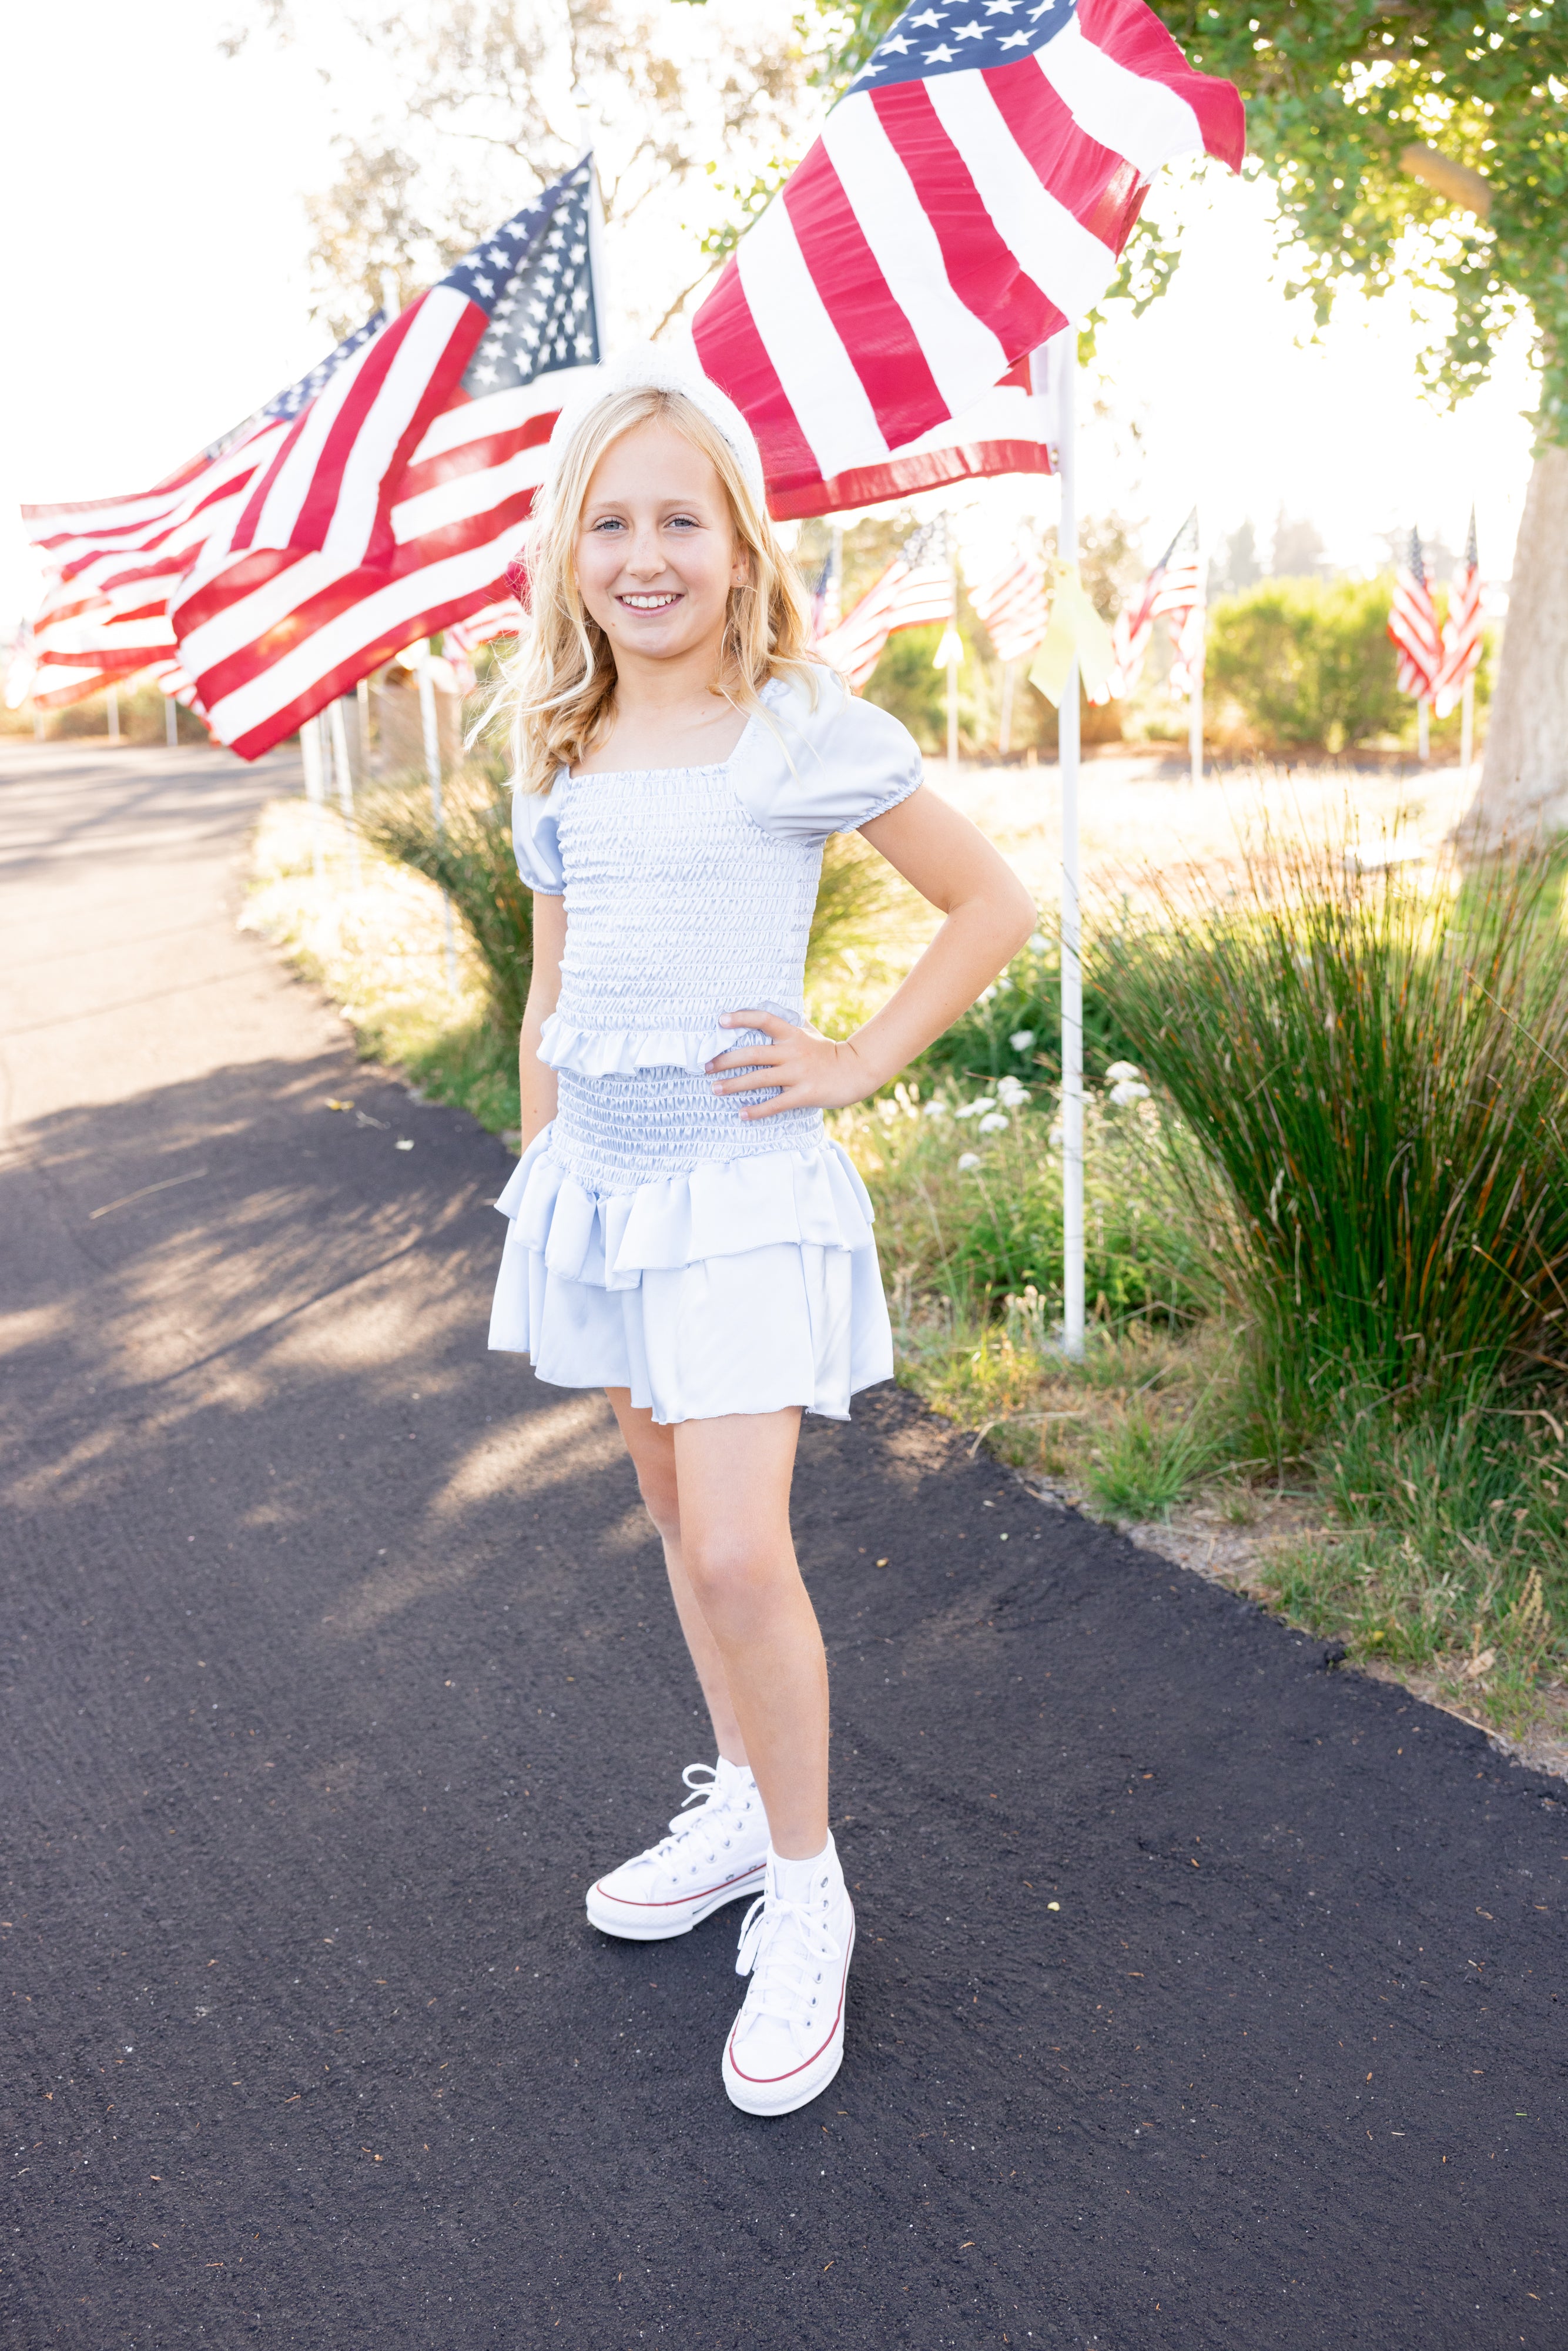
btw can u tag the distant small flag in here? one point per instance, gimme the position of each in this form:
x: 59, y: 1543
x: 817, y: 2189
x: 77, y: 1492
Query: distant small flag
x: 1413, y: 624
x: 463, y: 638
x: 1012, y: 605
x: 914, y: 592
x: 1180, y: 601
x: 827, y: 597
x: 1462, y: 631
x: 497, y: 623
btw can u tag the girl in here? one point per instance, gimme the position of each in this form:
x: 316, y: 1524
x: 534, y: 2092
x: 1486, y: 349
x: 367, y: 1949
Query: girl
x: 682, y: 1233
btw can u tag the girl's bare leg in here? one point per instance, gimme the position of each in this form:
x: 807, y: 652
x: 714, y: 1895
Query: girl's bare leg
x: 718, y: 1492
x: 652, y: 1451
x: 732, y: 1483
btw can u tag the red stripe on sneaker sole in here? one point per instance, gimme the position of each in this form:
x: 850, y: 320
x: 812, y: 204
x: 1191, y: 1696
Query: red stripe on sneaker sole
x: 768, y: 2081
x: 682, y: 1900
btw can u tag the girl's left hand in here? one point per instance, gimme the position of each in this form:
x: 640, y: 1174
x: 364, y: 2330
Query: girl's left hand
x: 811, y: 1071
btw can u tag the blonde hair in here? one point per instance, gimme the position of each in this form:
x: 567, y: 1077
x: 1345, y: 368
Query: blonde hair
x: 559, y: 688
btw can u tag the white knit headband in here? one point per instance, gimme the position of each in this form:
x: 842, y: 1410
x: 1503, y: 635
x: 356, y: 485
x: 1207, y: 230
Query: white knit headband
x: 645, y: 368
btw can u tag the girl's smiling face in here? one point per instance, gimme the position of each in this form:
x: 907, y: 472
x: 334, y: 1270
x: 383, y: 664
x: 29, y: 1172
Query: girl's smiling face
x: 657, y: 553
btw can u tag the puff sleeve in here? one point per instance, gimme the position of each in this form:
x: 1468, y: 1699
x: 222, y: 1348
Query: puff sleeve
x: 828, y: 769
x: 535, y: 841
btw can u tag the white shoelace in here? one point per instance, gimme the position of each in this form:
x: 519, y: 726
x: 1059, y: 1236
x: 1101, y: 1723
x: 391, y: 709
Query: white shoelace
x: 788, y: 1969
x: 702, y: 1825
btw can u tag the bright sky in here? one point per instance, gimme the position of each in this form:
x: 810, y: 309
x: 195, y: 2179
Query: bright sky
x: 157, y: 291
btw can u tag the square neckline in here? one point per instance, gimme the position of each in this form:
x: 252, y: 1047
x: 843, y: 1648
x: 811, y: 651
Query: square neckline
x: 771, y: 686
x: 706, y: 767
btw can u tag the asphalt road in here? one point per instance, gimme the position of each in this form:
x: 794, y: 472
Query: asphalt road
x: 1204, y: 1997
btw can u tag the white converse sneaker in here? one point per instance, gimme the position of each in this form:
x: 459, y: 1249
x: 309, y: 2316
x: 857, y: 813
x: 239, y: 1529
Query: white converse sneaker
x: 788, y: 2042
x: 714, y: 1854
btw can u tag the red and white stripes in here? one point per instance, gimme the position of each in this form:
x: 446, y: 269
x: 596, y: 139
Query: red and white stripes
x: 942, y: 226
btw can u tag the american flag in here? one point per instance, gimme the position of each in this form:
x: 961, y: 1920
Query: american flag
x: 113, y: 563
x: 969, y: 195
x: 1135, y: 623
x: 461, y: 640
x: 1181, y: 602
x: 1462, y: 631
x: 504, y: 617
x: 915, y: 590
x: 1413, y: 624
x: 1012, y: 605
x: 397, y: 509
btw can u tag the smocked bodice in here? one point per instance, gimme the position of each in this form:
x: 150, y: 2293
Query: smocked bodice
x: 689, y: 895
x: 679, y: 907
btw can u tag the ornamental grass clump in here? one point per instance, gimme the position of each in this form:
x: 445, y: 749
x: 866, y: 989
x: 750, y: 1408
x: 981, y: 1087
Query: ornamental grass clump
x: 1377, y: 1074
x: 469, y: 855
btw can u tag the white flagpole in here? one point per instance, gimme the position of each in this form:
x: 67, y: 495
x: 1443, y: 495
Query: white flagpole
x: 315, y: 788
x: 433, y: 769
x: 1071, y: 923
x: 953, y: 652
x: 111, y: 712
x: 1468, y: 726
x: 1423, y: 740
x: 1200, y: 622
x: 345, y: 787
x: 171, y: 721
x: 1005, y: 726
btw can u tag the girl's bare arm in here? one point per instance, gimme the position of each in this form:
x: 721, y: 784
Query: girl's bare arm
x: 989, y: 914
x: 536, y: 1083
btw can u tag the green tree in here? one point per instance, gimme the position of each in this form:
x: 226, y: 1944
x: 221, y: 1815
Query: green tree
x: 1415, y: 143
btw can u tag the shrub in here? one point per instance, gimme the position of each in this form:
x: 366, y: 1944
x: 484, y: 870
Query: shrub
x: 1308, y: 662
x: 904, y: 683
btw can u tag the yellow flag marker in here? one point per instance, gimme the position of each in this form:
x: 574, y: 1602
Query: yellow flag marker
x: 1075, y: 627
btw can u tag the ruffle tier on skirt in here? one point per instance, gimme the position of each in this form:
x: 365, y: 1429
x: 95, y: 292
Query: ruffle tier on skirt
x: 747, y: 1285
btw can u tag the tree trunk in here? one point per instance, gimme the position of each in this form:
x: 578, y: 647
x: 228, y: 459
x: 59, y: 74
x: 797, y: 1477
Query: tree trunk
x: 1523, y: 792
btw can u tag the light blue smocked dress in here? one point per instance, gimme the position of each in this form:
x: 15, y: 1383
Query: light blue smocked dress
x: 657, y: 1241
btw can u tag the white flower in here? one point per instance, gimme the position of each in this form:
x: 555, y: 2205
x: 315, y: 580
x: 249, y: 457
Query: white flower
x: 1119, y: 1070
x: 1021, y: 1039
x: 1054, y: 1138
x: 1129, y: 1090
x: 986, y: 994
x: 994, y: 1122
x: 1011, y: 1095
x: 1036, y: 942
x: 967, y: 1110
x: 969, y: 1159
x: 935, y: 1108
